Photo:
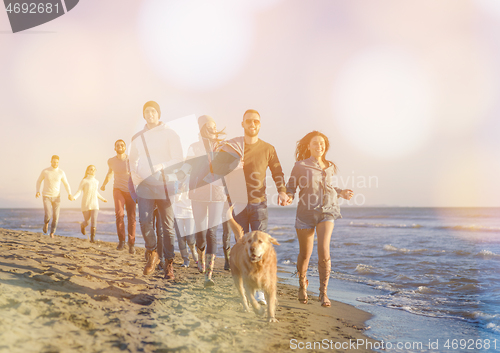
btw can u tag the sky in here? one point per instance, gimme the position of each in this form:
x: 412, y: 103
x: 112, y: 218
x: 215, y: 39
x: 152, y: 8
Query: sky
x: 408, y: 93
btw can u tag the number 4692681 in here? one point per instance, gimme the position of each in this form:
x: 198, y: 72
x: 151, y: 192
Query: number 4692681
x: 32, y: 8
x: 477, y: 344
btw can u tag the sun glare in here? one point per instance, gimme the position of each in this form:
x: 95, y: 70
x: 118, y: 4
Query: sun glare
x: 187, y: 129
x: 469, y: 179
x: 59, y: 78
x: 196, y: 44
x: 491, y: 7
x: 383, y: 103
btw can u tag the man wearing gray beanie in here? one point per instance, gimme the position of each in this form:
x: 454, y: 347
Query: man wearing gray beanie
x: 152, y: 150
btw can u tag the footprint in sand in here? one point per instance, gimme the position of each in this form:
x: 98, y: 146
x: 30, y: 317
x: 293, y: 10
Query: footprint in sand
x: 143, y: 299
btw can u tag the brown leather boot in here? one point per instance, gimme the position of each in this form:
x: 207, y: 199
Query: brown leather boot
x: 92, y: 234
x: 169, y: 269
x: 227, y: 253
x: 324, y: 269
x: 153, y: 261
x: 303, y: 283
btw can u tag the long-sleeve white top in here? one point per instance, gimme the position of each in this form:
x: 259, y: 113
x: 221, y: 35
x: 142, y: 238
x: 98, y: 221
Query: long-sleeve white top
x: 52, y: 178
x: 89, y: 186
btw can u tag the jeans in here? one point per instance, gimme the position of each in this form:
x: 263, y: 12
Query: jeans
x: 51, y: 206
x: 226, y: 236
x: 207, y: 217
x: 124, y: 200
x: 254, y: 216
x: 92, y: 216
x: 166, y: 218
x: 186, y: 230
x: 159, y: 234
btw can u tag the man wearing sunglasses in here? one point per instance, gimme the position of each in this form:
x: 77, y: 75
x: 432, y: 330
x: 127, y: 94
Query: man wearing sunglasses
x: 256, y: 156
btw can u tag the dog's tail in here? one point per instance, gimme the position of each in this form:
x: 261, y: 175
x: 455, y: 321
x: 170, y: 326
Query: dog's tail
x: 235, y: 227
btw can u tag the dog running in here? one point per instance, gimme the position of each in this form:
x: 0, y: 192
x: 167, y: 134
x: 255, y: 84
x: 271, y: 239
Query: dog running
x: 253, y: 267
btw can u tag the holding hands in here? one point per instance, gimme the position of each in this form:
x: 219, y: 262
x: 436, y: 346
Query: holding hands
x: 283, y: 199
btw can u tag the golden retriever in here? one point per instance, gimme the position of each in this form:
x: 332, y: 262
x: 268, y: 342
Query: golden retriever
x: 253, y: 267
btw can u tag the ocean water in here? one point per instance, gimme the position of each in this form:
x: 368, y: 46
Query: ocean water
x: 428, y: 275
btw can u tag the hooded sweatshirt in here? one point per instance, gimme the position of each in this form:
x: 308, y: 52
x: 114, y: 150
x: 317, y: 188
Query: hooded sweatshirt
x: 152, y: 150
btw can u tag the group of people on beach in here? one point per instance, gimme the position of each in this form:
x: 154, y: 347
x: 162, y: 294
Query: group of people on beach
x: 190, y: 195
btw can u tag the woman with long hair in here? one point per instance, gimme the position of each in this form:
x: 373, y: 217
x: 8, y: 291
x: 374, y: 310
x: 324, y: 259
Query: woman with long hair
x: 317, y: 208
x: 207, y: 195
x: 90, y: 205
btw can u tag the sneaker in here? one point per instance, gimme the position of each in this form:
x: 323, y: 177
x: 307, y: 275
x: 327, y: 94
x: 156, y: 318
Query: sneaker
x: 261, y: 299
x: 45, y: 228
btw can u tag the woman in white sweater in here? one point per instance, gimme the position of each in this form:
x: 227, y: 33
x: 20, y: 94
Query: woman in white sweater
x: 90, y: 204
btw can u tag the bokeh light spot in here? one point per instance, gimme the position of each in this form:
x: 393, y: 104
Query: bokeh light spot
x: 383, y: 103
x: 194, y: 43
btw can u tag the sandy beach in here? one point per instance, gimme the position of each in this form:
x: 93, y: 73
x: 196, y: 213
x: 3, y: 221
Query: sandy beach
x: 68, y: 295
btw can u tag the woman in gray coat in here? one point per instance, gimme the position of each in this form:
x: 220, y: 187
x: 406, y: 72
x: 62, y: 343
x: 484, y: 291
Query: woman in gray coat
x: 317, y: 208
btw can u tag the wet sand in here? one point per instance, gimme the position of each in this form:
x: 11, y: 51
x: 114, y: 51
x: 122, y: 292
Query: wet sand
x: 68, y: 295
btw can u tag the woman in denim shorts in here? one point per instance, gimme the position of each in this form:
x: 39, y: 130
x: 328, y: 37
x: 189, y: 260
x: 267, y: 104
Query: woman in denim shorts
x: 317, y: 208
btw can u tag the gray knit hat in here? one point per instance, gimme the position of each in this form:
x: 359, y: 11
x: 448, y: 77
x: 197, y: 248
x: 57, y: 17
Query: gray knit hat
x: 154, y: 105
